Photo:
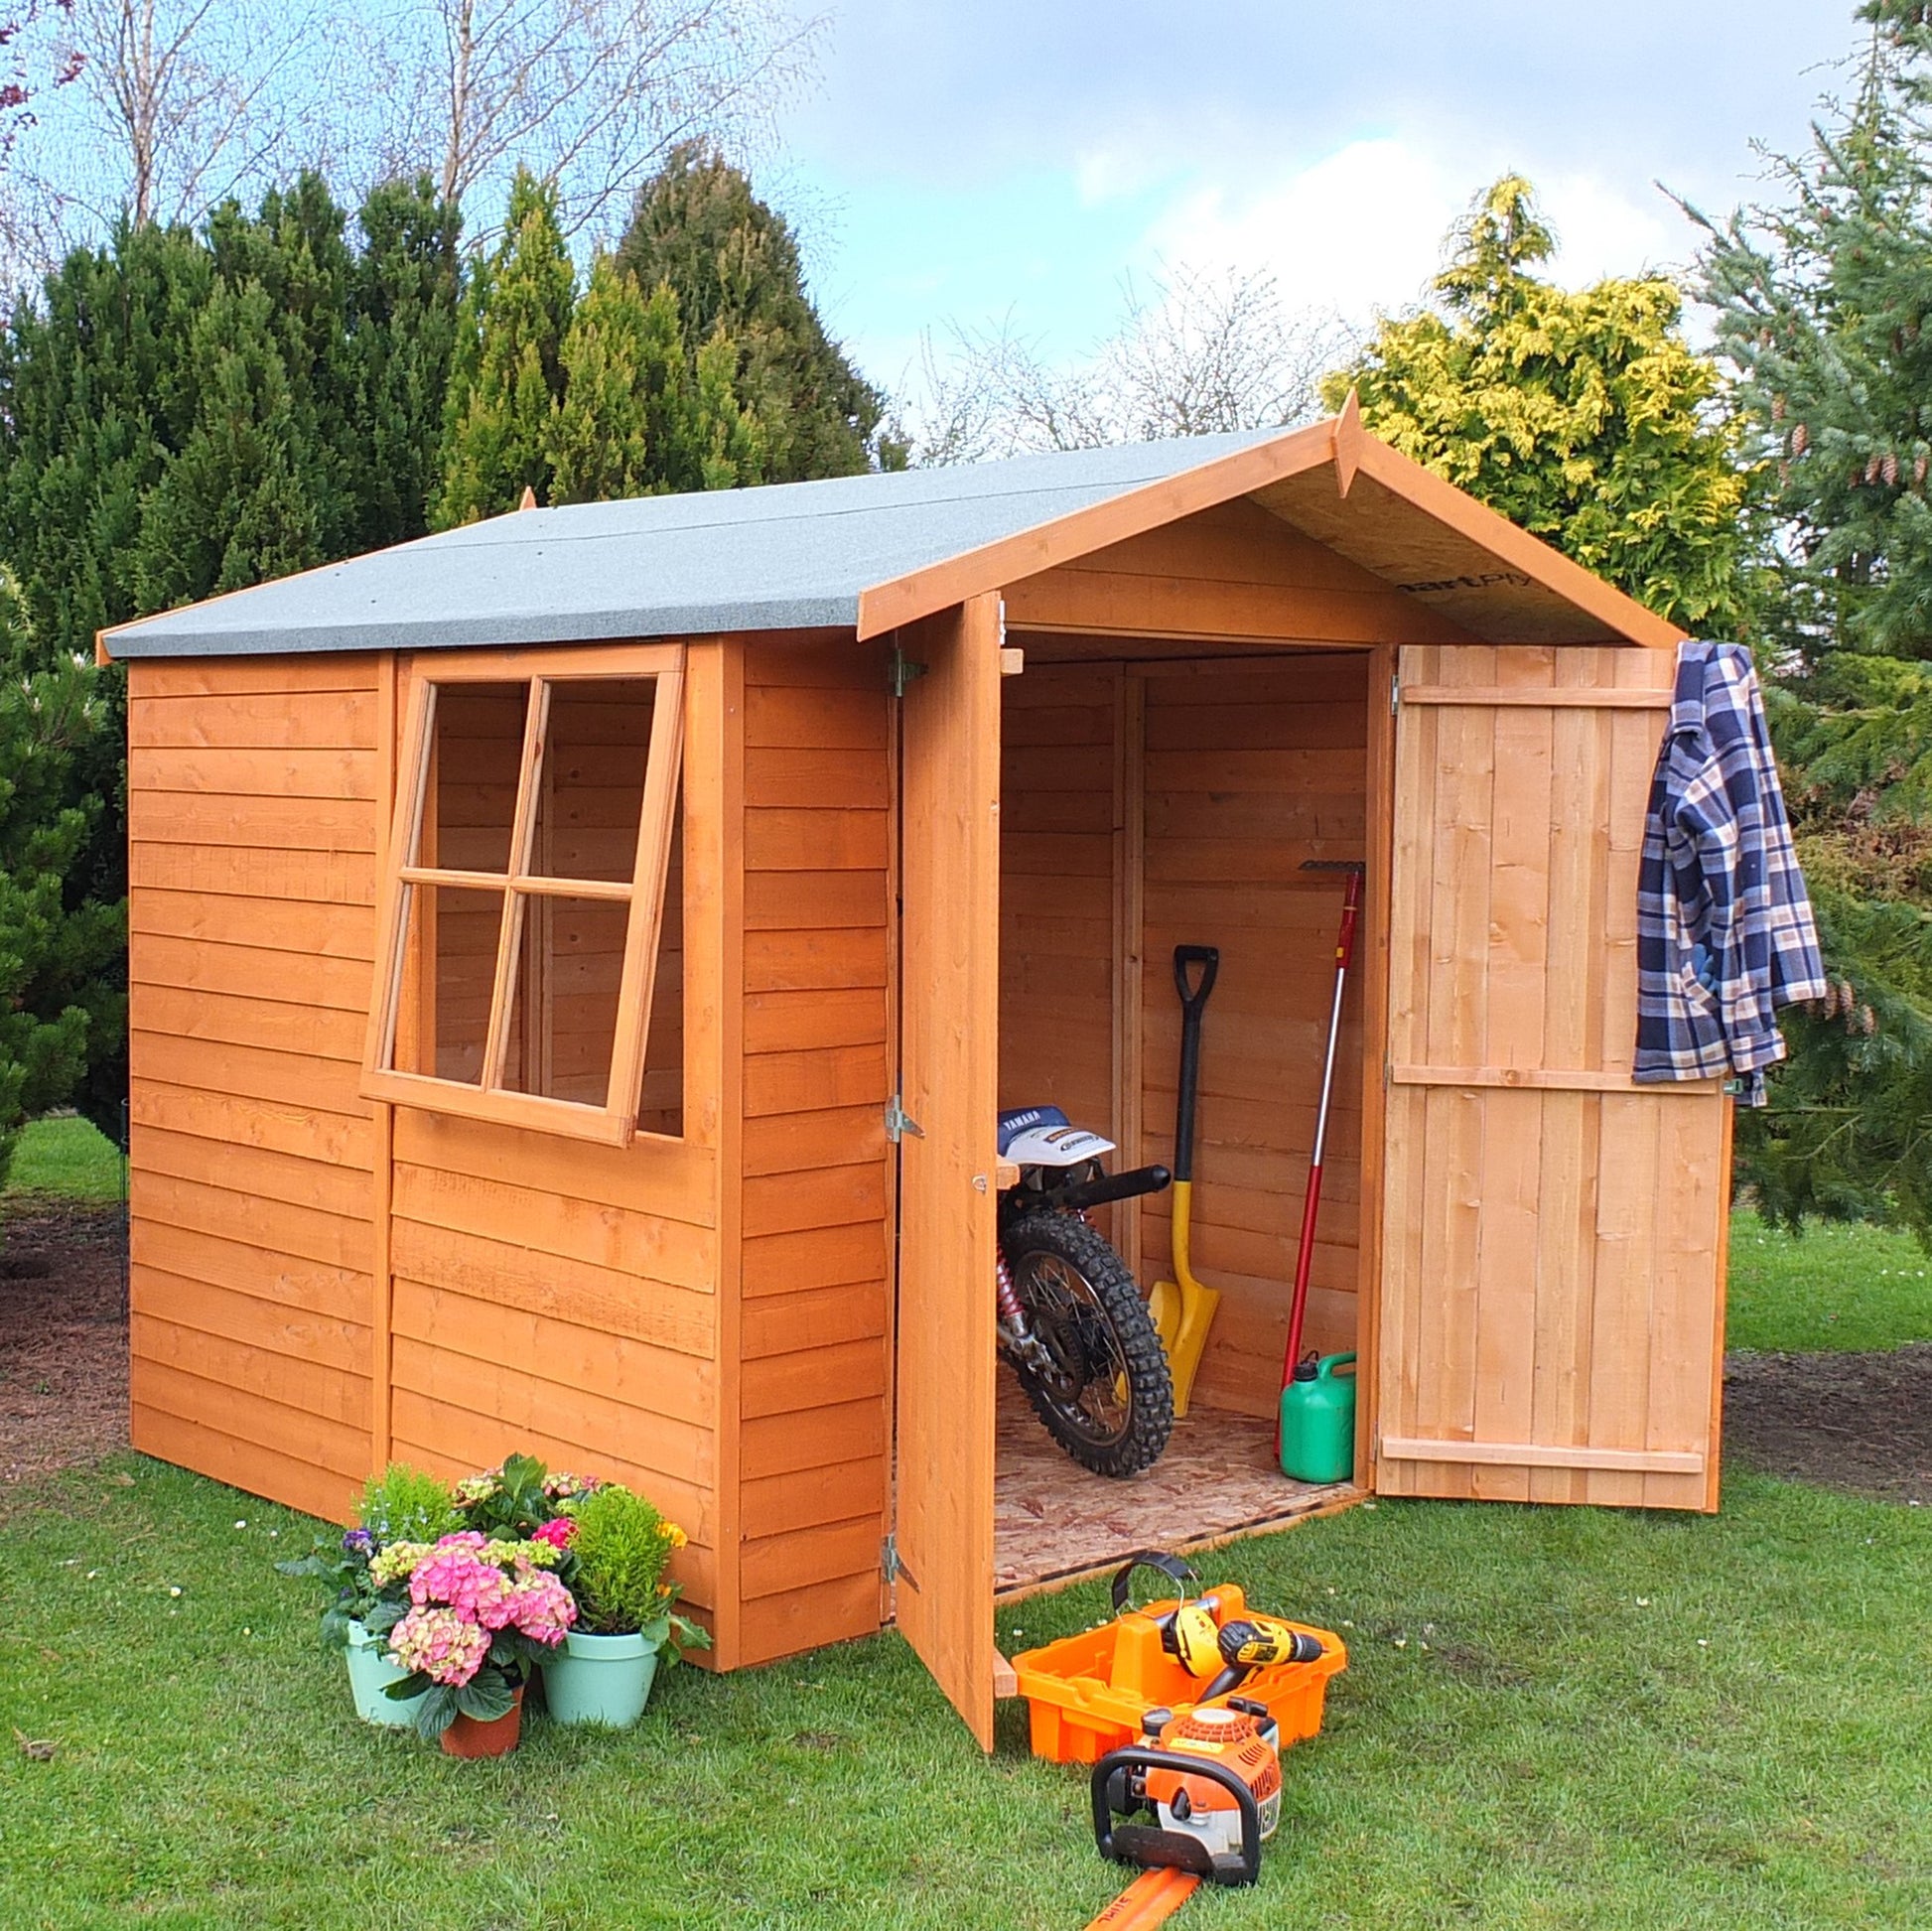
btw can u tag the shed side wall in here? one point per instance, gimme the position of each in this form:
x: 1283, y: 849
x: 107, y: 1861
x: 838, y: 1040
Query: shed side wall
x: 814, y: 1381
x: 253, y: 801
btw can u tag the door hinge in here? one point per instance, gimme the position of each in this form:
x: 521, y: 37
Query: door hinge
x: 1395, y: 692
x: 902, y: 671
x: 891, y: 1567
x: 898, y: 1122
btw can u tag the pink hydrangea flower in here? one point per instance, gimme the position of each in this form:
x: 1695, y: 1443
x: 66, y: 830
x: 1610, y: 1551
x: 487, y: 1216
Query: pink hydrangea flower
x: 557, y: 1532
x: 542, y: 1608
x: 439, y: 1641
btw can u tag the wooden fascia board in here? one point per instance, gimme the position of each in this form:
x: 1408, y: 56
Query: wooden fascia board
x: 1457, y: 510
x: 938, y: 586
x: 1337, y: 440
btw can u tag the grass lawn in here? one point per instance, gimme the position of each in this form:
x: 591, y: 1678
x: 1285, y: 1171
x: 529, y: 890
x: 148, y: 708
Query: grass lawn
x: 66, y: 1156
x: 1832, y: 1287
x: 1551, y: 1717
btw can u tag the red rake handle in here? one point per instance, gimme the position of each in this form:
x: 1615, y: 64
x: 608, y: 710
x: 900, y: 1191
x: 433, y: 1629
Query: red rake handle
x: 1351, y: 909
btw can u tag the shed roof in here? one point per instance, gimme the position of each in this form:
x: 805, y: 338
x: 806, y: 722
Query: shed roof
x: 871, y: 552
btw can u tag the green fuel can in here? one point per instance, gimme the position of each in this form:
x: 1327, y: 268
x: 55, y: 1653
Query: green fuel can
x: 1319, y: 1421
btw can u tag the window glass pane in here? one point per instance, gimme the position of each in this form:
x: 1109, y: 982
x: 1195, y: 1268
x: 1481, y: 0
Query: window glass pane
x: 449, y: 967
x: 661, y: 1103
x: 596, y: 749
x: 563, y: 1026
x: 472, y: 792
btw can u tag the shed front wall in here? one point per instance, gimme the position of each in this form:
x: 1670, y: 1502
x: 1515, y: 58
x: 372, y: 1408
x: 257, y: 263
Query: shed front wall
x: 320, y: 1282
x: 812, y: 1353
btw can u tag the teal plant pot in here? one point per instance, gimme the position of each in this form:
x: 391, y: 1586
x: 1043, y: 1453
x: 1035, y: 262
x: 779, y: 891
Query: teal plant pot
x: 370, y: 1673
x: 600, y: 1680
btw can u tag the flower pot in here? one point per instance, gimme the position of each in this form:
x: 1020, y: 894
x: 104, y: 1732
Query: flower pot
x: 497, y: 1738
x: 370, y: 1672
x: 603, y: 1680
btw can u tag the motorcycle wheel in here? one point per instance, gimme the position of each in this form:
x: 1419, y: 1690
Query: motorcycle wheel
x: 1108, y: 1398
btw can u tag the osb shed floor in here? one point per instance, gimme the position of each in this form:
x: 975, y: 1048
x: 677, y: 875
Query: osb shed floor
x: 1053, y: 1520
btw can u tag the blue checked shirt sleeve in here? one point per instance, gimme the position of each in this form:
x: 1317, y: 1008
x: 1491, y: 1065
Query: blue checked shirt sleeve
x: 1725, y: 930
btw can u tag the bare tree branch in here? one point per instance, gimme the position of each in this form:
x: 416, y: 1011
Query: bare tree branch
x: 182, y: 104
x: 1196, y: 353
x: 589, y: 94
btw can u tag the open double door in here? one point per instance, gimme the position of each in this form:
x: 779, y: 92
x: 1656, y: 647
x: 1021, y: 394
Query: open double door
x: 1545, y: 1242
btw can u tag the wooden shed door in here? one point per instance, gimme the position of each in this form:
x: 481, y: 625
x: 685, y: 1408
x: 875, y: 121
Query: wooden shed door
x: 1554, y: 1237
x: 950, y: 1056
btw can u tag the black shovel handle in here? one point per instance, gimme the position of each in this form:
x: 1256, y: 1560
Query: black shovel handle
x: 1194, y: 1002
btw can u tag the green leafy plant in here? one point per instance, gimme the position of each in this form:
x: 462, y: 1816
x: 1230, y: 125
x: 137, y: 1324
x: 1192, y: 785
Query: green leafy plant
x: 400, y: 1505
x: 621, y: 1545
x: 405, y: 1504
x: 520, y: 1498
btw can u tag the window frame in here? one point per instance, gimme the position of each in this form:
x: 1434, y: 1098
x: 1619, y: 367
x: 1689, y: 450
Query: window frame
x: 616, y: 1121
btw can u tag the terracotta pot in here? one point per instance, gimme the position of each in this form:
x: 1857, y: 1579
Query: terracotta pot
x: 497, y: 1738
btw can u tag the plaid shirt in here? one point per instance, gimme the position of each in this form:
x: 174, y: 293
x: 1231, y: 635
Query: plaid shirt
x: 1724, y: 932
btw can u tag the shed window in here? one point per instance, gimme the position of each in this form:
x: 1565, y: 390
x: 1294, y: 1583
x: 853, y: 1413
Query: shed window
x: 526, y: 924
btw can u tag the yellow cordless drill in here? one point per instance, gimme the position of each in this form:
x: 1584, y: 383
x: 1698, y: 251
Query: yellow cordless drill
x: 1196, y: 1641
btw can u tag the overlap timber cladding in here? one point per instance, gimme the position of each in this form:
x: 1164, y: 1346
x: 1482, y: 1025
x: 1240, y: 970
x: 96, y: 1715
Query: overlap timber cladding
x: 813, y: 1376
x: 1217, y: 779
x: 253, y: 798
x: 548, y: 1294
x: 1552, y: 1248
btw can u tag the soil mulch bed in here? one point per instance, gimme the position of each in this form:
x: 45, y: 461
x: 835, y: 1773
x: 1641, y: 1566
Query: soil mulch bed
x: 63, y: 1335
x: 1857, y: 1421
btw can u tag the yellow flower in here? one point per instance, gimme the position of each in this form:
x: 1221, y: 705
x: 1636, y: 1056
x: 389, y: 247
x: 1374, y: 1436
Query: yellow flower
x: 675, y: 1536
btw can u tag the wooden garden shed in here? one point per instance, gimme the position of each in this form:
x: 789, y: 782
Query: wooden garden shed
x: 534, y: 926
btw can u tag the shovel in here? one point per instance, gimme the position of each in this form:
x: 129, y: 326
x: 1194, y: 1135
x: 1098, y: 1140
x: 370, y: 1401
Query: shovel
x: 1183, y: 1307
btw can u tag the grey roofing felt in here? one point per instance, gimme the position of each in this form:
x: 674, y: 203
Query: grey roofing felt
x: 788, y: 556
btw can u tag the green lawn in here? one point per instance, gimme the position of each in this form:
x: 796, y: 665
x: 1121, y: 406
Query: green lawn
x: 1551, y: 1717
x: 66, y: 1156
x: 1831, y: 1287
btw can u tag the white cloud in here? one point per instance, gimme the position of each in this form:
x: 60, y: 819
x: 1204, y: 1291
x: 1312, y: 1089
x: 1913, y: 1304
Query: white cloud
x: 1362, y: 228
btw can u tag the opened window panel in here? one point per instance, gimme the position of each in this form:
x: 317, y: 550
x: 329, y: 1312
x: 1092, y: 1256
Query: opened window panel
x: 596, y: 744
x: 529, y: 973
x: 472, y: 791
x: 450, y: 960
x: 660, y: 1102
x: 564, y: 997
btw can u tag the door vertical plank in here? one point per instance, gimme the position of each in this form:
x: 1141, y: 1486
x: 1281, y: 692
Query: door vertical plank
x: 949, y: 1018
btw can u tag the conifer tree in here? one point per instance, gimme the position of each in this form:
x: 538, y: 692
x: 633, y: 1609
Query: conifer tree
x: 1825, y: 314
x: 1581, y: 415
x: 733, y: 263
x: 406, y: 285
x: 61, y: 970
x: 638, y: 414
x: 507, y: 375
x: 185, y: 413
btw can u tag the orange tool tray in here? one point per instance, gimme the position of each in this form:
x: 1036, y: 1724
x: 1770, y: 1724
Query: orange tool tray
x: 1086, y: 1694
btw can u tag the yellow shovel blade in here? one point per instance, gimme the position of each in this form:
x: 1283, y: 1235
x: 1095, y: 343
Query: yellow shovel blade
x: 1163, y: 1305
x: 1197, y: 1304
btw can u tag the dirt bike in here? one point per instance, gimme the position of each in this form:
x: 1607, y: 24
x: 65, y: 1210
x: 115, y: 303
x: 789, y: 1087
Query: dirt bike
x: 1071, y: 1320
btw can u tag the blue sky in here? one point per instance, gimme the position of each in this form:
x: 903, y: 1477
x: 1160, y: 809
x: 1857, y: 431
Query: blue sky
x: 1019, y: 157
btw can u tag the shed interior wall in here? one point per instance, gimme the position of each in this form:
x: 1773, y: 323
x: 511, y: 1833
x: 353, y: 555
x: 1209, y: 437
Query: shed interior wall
x: 1165, y: 802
